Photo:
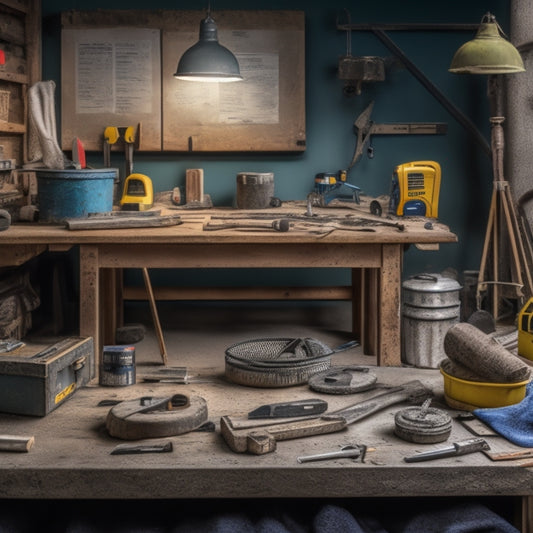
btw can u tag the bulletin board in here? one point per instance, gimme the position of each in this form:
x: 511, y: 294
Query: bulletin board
x: 117, y: 70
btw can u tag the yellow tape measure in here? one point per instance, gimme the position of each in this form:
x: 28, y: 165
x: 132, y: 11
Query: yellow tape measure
x: 138, y: 191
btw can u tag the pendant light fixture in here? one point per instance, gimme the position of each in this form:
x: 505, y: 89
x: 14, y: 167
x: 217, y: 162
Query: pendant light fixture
x: 208, y: 60
x: 488, y: 52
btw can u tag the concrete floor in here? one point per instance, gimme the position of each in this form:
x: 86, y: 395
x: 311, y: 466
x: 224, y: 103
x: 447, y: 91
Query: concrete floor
x: 201, y: 332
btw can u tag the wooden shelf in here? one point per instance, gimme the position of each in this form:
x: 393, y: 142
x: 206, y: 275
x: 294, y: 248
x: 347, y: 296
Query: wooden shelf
x: 15, y: 78
x: 23, y: 6
x: 20, y: 40
x: 11, y: 127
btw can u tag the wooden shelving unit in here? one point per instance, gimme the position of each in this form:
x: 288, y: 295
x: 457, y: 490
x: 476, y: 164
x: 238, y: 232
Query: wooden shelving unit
x: 20, y: 41
x: 20, y: 46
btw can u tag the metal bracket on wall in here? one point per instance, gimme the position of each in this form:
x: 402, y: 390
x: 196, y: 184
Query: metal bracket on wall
x: 379, y: 31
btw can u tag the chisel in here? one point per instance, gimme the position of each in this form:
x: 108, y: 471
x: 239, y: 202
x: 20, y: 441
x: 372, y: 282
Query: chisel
x: 313, y: 406
x: 457, y: 448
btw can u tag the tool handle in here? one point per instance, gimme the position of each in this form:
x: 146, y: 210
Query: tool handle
x: 263, y: 440
x: 410, y: 391
x: 470, y: 446
x: 15, y: 443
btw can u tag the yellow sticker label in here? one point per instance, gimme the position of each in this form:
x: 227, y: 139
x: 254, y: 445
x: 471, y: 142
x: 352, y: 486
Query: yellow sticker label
x: 65, y: 392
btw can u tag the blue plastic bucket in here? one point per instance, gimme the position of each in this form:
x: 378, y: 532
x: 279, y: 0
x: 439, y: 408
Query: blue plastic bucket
x: 74, y: 193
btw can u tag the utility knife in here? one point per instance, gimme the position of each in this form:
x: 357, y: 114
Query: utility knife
x: 462, y: 447
x: 313, y: 406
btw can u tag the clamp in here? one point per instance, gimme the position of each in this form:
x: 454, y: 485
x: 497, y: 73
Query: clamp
x: 112, y: 134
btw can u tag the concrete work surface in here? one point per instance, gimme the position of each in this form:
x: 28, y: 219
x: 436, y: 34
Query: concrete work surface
x: 71, y: 455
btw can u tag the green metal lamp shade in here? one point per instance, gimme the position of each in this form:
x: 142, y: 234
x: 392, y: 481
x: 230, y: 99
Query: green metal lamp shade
x: 487, y: 53
x: 208, y: 60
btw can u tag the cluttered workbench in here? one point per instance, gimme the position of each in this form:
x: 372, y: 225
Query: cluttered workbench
x: 283, y: 237
x: 74, y: 456
x: 75, y: 452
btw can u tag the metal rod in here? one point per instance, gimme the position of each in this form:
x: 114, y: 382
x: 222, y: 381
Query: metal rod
x: 434, y: 90
x: 409, y: 27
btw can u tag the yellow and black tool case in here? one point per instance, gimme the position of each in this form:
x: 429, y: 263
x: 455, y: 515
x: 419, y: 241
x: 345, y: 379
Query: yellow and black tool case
x: 35, y: 378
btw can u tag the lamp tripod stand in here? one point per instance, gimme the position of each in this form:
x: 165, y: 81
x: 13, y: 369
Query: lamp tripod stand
x: 502, y: 222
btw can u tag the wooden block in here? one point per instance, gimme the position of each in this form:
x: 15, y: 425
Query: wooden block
x: 194, y: 185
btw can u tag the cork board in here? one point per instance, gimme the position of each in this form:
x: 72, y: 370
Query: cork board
x: 263, y: 113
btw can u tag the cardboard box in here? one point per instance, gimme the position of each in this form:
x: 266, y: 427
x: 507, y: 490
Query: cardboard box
x: 38, y: 377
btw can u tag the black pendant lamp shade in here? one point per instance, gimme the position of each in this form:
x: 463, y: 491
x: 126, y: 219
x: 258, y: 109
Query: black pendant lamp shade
x: 208, y: 60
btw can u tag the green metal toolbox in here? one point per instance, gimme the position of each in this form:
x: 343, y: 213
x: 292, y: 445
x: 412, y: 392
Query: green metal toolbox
x: 38, y: 377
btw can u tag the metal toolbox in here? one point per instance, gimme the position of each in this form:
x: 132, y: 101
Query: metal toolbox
x: 39, y: 377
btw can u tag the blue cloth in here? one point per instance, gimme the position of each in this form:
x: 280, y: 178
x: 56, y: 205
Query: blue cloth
x: 424, y: 515
x: 514, y: 422
x: 455, y: 517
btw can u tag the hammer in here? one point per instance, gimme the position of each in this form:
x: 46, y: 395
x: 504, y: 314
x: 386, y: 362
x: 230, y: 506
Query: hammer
x: 282, y: 225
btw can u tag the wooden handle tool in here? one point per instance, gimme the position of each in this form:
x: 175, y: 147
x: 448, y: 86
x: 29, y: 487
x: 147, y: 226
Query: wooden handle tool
x: 14, y: 443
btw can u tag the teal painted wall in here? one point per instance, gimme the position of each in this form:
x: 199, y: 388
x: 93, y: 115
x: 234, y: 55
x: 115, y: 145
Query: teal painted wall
x: 466, y: 169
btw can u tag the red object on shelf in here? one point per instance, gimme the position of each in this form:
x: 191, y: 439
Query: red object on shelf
x: 2, y: 57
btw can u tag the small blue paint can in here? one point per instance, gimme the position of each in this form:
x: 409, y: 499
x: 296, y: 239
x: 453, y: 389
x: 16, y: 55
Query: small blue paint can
x: 118, y: 366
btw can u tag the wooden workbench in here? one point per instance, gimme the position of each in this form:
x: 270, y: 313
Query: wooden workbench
x: 373, y: 251
x: 71, y: 457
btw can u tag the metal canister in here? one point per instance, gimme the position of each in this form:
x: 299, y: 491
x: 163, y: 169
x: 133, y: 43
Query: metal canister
x: 255, y: 190
x: 118, y: 366
x: 431, y: 306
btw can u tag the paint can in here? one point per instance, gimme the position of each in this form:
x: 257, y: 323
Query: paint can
x: 118, y: 366
x: 74, y: 193
x: 255, y: 190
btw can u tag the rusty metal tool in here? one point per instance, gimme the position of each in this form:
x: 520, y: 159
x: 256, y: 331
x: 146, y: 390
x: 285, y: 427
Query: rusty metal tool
x: 313, y: 406
x: 282, y: 225
x: 349, y: 450
x: 124, y: 449
x: 261, y: 440
x: 365, y: 128
x: 457, y: 448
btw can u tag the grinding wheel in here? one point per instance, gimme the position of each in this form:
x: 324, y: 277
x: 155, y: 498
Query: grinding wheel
x: 149, y: 417
x: 425, y: 425
x: 343, y: 380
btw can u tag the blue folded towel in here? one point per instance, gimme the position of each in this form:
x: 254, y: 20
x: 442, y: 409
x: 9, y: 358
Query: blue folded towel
x: 514, y: 422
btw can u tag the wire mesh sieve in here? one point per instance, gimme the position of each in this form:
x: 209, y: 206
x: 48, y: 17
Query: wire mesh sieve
x: 278, y: 351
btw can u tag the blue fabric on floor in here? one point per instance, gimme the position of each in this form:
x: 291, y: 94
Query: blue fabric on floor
x: 334, y: 519
x: 411, y: 515
x: 514, y: 422
x: 454, y: 518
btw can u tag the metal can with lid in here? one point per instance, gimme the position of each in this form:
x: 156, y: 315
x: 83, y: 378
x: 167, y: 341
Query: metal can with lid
x: 431, y: 305
x: 255, y: 190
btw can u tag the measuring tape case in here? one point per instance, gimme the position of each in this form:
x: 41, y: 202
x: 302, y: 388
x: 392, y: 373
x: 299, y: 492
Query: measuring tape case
x: 37, y: 378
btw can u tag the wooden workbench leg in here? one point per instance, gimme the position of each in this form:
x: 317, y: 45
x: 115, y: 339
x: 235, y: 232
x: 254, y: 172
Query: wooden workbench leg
x: 108, y: 309
x: 365, y: 308
x: 527, y: 514
x: 90, y: 301
x: 372, y: 313
x: 389, y: 336
x: 119, y: 296
x: 358, y: 304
